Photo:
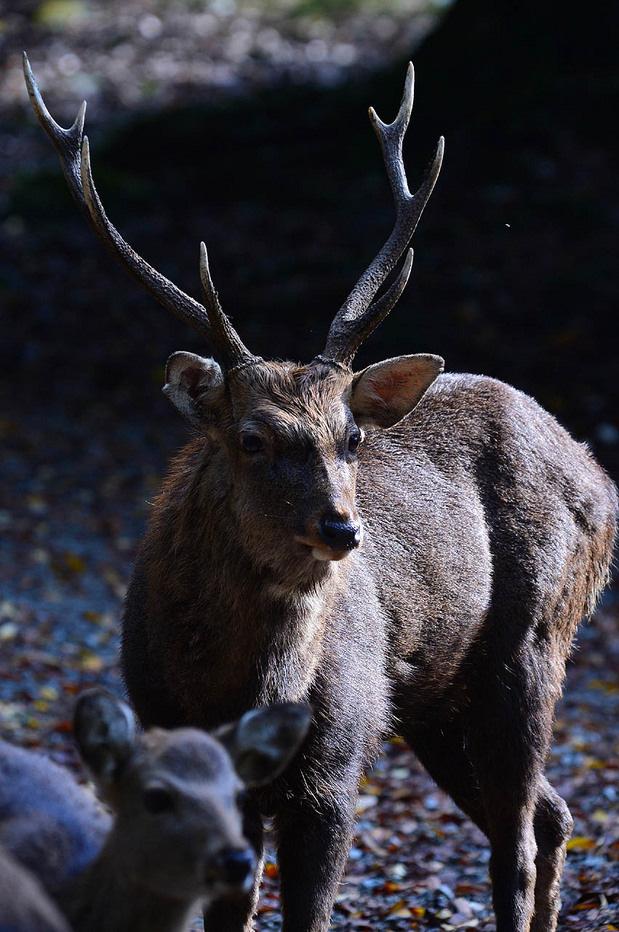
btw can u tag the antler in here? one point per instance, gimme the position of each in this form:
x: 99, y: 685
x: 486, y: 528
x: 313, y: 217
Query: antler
x: 74, y: 153
x: 358, y: 316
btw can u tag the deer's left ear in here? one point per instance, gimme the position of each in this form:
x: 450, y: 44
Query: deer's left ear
x: 386, y: 392
x: 105, y: 733
x: 194, y: 385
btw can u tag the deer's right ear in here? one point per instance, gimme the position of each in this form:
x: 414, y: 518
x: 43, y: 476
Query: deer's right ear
x: 105, y: 732
x: 193, y: 385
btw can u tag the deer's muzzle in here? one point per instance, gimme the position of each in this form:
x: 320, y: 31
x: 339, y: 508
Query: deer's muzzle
x: 338, y: 534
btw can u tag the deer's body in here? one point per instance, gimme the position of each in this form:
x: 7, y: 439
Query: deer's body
x: 24, y: 904
x: 488, y: 536
x: 51, y: 824
x: 175, y: 841
x: 475, y: 507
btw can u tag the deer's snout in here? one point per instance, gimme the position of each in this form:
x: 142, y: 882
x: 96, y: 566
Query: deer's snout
x: 237, y: 865
x: 340, y: 533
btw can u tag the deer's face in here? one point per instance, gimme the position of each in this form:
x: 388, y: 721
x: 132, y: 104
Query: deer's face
x: 178, y: 830
x: 179, y: 796
x: 292, y: 444
x: 286, y: 441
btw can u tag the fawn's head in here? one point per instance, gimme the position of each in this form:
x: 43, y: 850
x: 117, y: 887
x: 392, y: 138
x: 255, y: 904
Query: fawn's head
x: 178, y: 796
x: 286, y: 437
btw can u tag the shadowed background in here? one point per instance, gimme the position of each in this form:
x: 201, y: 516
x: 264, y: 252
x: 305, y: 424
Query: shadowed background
x: 270, y: 158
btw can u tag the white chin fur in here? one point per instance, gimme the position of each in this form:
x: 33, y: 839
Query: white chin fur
x: 319, y: 554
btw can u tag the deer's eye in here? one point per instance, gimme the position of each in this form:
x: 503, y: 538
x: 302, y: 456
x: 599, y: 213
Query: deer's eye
x: 157, y: 799
x: 251, y: 444
x: 354, y: 439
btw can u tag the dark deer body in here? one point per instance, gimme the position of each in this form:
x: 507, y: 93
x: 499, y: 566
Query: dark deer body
x: 24, y: 904
x: 487, y: 536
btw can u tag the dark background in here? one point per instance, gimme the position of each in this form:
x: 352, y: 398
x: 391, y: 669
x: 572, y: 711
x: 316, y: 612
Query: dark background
x: 515, y: 273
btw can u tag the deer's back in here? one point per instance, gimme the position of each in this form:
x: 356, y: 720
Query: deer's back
x: 483, y: 515
x: 24, y: 905
x: 49, y: 823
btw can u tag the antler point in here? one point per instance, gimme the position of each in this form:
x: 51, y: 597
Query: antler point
x: 204, y: 258
x: 78, y: 123
x: 27, y: 71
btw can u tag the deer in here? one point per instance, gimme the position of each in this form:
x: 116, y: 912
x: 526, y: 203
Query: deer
x: 409, y: 551
x: 24, y: 904
x: 175, y: 840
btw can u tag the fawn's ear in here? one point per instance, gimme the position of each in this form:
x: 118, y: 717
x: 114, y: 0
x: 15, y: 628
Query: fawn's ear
x: 194, y: 386
x: 386, y: 392
x: 105, y: 733
x: 264, y: 741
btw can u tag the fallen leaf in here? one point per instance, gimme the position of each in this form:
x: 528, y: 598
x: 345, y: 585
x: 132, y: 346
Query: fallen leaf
x: 581, y: 843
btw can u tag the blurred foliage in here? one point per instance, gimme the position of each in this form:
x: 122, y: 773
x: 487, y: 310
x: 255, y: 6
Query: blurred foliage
x: 63, y: 13
x: 60, y: 14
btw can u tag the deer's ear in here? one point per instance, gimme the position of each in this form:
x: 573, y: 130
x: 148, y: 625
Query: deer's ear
x: 386, y: 392
x: 193, y: 385
x: 264, y: 741
x: 105, y: 732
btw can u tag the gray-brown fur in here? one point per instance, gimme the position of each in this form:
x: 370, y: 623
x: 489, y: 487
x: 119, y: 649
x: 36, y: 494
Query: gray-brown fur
x: 175, y: 841
x: 487, y: 537
x: 24, y: 904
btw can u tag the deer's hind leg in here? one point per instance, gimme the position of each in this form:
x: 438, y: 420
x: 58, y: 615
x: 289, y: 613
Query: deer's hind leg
x: 500, y: 801
x: 553, y: 827
x: 444, y: 754
x: 511, y: 713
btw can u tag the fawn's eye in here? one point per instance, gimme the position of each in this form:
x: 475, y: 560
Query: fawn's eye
x: 157, y: 799
x: 354, y: 439
x: 251, y: 443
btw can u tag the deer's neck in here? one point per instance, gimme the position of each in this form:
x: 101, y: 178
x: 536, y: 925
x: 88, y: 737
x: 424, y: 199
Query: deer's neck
x: 249, y: 625
x: 105, y: 899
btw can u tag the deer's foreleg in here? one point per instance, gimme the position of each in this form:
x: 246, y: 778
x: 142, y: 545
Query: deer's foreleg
x: 313, y: 845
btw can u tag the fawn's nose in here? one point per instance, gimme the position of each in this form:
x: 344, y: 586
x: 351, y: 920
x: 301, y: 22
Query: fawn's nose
x: 237, y: 864
x: 339, y: 533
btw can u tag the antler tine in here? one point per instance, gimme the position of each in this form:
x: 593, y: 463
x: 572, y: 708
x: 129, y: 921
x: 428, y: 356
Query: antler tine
x: 358, y: 317
x: 223, y: 331
x: 74, y: 152
x: 355, y: 335
x: 67, y: 142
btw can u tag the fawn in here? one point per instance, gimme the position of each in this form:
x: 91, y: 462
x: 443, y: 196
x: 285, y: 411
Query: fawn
x: 176, y: 840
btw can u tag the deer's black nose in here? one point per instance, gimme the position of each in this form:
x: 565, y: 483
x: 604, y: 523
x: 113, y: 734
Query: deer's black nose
x: 339, y: 534
x: 236, y: 864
